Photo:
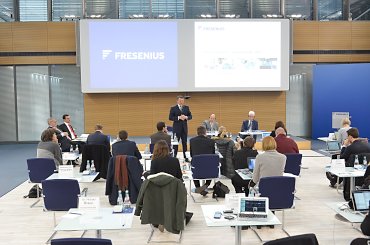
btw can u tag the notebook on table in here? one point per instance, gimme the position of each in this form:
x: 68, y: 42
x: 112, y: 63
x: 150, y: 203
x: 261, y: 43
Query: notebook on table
x: 361, y: 200
x: 253, y: 208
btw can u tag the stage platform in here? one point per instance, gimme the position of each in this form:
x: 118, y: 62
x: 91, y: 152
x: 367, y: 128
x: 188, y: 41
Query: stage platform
x: 141, y: 141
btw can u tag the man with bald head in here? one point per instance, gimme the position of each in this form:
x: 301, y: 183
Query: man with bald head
x: 211, y: 124
x: 283, y: 143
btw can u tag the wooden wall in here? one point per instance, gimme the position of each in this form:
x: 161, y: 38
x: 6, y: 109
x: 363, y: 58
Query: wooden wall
x: 313, y: 42
x: 138, y: 113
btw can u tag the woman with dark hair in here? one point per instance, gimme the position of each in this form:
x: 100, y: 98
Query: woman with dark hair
x: 278, y: 124
x: 240, y: 161
x: 163, y: 162
x: 49, y: 147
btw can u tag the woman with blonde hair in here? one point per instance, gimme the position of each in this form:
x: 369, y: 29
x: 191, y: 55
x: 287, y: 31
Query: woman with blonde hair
x: 342, y: 132
x: 269, y: 163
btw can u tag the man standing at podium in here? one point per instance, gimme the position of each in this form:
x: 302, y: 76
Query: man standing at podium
x: 180, y: 114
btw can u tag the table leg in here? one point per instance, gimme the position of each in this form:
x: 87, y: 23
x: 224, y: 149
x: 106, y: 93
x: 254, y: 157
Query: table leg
x: 238, y: 235
x: 98, y: 233
x: 351, y: 186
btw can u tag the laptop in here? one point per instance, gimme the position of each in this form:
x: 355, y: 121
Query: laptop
x: 253, y: 208
x: 333, y: 146
x: 361, y: 200
x: 265, y: 134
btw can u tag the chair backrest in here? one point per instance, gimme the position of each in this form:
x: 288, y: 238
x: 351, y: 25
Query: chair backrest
x: 100, y: 154
x: 81, y: 241
x: 40, y: 169
x: 279, y: 190
x: 293, y: 163
x: 360, y: 241
x: 205, y: 166
x: 305, y: 239
x: 60, y: 194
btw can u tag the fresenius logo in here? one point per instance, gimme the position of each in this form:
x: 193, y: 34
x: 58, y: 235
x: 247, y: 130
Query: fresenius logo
x: 106, y: 53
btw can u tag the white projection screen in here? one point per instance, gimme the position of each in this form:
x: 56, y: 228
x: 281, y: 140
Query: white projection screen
x: 184, y: 55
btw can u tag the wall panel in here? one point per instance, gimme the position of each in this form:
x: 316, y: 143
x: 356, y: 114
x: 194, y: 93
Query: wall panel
x: 61, y: 36
x: 30, y: 37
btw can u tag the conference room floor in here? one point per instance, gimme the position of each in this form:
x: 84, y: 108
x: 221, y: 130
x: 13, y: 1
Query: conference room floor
x: 21, y: 224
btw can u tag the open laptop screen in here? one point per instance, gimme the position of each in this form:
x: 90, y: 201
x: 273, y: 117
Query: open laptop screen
x: 253, y: 205
x: 333, y: 146
x: 361, y: 200
x: 251, y: 163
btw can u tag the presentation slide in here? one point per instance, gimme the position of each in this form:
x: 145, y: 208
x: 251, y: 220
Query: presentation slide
x: 184, y: 55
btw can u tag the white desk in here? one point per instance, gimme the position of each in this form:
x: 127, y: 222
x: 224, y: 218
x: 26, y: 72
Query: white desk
x: 209, y: 210
x: 343, y: 210
x: 70, y: 156
x: 77, y: 176
x: 325, y: 139
x: 105, y: 219
x: 245, y: 174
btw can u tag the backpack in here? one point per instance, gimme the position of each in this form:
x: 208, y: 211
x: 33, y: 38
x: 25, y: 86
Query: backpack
x: 220, y: 190
x: 33, y: 192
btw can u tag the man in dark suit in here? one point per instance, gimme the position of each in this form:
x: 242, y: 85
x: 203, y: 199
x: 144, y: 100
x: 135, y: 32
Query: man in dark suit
x: 250, y: 124
x: 98, y: 138
x: 125, y: 146
x: 180, y: 114
x: 161, y: 134
x: 68, y: 128
x: 201, y: 144
x: 352, y: 145
x: 63, y: 137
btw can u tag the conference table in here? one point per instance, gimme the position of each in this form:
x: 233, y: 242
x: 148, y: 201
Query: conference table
x: 209, y: 211
x: 80, y: 177
x: 102, y: 219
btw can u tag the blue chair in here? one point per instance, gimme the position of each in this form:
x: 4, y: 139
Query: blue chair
x: 293, y: 163
x: 39, y: 169
x: 60, y: 195
x: 81, y: 241
x: 205, y: 167
x: 280, y: 191
x: 304, y: 239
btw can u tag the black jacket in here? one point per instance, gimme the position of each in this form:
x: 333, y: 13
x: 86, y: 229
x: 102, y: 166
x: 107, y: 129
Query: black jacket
x: 201, y: 145
x: 356, y: 147
x: 179, y: 126
x: 365, y: 225
x: 240, y: 158
x: 98, y: 138
x: 100, y: 154
x: 168, y: 165
x: 135, y: 171
x: 126, y: 147
x: 226, y: 148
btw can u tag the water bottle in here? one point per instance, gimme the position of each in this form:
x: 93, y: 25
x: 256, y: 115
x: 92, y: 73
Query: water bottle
x: 252, y: 193
x: 71, y: 149
x: 119, y: 198
x: 147, y: 151
x: 364, y: 162
x: 88, y: 166
x: 92, y: 169
x: 216, y: 148
x: 76, y: 150
x: 126, y: 202
x: 356, y: 160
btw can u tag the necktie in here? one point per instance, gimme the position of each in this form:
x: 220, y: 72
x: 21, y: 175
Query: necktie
x: 72, y: 131
x: 180, y: 108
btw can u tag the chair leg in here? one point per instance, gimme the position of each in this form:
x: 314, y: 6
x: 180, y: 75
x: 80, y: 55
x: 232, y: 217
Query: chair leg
x: 38, y: 198
x: 37, y: 201
x: 51, y: 237
x: 151, y: 233
x: 283, y: 224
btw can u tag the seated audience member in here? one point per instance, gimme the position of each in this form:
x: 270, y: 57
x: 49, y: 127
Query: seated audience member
x: 285, y: 144
x: 269, y: 163
x: 365, y: 225
x: 125, y: 146
x: 68, y: 128
x: 278, y: 124
x: 342, y: 132
x: 199, y: 145
x: 352, y: 145
x: 49, y: 147
x: 163, y: 162
x: 161, y: 134
x: 240, y: 161
x: 211, y: 124
x: 250, y: 124
x: 63, y: 138
x: 225, y: 146
x: 98, y: 138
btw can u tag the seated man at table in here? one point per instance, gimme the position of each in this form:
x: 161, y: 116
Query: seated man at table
x: 98, y: 138
x: 211, y: 124
x: 250, y: 124
x: 161, y: 134
x: 285, y: 144
x: 352, y: 145
x: 125, y: 146
x: 201, y: 144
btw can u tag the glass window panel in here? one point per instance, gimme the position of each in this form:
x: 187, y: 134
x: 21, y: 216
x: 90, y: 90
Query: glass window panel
x: 237, y: 7
x: 195, y: 8
x: 66, y: 9
x: 174, y: 8
x: 330, y: 9
x: 32, y: 101
x: 263, y: 7
x: 102, y: 9
x: 302, y: 7
x: 33, y: 10
x: 66, y: 95
x: 360, y: 9
x: 6, y: 11
x: 131, y: 7
x: 7, y: 105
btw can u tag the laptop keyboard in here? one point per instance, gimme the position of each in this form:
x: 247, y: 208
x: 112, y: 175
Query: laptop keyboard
x: 252, y: 216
